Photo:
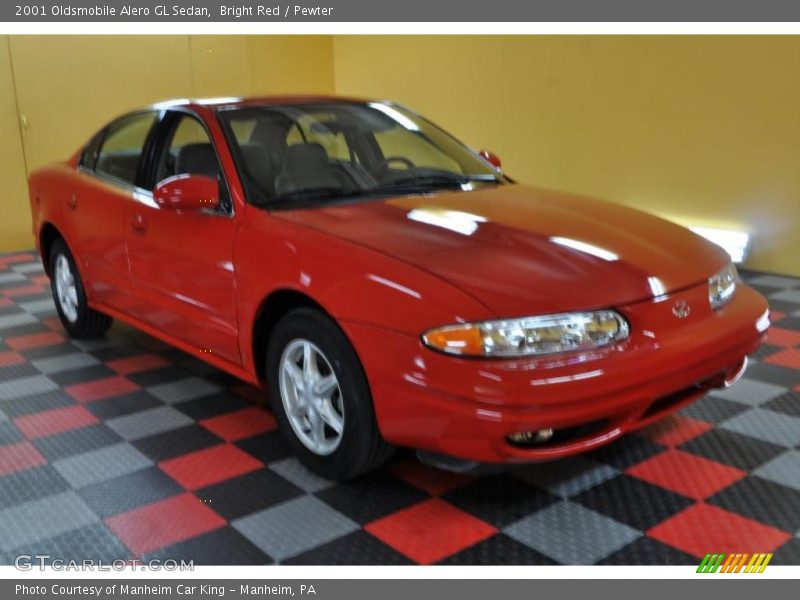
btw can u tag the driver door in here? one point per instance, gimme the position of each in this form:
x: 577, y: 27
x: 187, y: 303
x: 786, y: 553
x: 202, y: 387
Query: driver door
x: 181, y: 263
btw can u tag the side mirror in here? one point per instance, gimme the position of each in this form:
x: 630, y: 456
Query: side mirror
x: 187, y: 192
x: 491, y: 158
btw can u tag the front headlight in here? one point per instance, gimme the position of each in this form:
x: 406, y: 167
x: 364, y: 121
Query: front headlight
x: 722, y: 286
x: 565, y: 332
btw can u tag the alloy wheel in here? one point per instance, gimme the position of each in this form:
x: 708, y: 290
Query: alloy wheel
x: 311, y: 396
x: 66, y: 289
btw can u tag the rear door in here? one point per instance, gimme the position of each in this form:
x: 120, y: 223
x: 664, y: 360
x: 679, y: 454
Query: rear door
x: 108, y: 174
x: 182, y: 262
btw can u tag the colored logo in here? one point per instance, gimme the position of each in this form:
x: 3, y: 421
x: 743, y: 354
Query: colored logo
x: 734, y: 563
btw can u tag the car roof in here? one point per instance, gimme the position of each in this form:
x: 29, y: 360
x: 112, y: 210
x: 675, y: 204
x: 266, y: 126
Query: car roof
x: 220, y: 103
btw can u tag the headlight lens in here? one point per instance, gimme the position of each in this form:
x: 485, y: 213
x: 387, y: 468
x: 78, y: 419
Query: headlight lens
x: 722, y: 286
x: 565, y: 332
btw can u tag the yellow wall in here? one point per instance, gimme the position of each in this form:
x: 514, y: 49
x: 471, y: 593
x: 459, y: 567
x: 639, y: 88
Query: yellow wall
x: 15, y: 219
x: 702, y: 129
x: 705, y: 130
x: 67, y: 87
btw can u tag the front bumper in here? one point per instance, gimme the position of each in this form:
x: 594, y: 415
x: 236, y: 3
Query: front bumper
x: 468, y: 407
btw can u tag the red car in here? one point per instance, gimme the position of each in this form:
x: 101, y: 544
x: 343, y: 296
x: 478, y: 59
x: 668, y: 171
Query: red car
x: 385, y: 284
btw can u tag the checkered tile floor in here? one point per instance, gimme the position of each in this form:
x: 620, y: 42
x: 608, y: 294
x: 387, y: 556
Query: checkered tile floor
x: 126, y: 448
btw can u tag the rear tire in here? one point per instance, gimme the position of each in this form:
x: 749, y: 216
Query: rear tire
x: 333, y: 391
x: 79, y: 320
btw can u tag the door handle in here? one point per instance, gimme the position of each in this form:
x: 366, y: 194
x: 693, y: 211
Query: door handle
x: 72, y: 202
x: 138, y: 224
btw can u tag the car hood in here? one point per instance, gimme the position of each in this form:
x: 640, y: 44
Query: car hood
x: 522, y: 250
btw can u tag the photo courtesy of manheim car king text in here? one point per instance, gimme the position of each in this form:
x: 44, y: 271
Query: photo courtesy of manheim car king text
x: 371, y: 299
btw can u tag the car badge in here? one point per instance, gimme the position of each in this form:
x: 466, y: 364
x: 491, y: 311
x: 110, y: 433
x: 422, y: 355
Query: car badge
x: 681, y: 309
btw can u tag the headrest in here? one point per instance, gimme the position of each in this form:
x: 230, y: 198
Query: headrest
x: 197, y: 159
x: 305, y: 156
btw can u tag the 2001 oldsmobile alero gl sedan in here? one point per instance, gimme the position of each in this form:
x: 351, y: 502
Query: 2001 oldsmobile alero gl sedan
x: 387, y: 285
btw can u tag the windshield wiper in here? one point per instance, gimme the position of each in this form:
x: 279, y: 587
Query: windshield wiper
x: 427, y: 182
x: 317, y: 194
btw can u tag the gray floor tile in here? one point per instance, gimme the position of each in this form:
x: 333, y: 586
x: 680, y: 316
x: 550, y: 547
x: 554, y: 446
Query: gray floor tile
x: 774, y: 281
x: 65, y: 362
x: 16, y: 319
x: 183, y: 389
x: 750, y: 391
x: 783, y: 469
x: 292, y: 470
x: 148, y: 422
x: 98, y: 465
x: 766, y: 425
x: 37, y: 307
x: 26, y: 386
x: 293, y: 527
x: 567, y: 477
x: 572, y: 534
x: 34, y: 521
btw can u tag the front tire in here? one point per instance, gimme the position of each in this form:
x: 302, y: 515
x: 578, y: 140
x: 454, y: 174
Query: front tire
x: 69, y: 295
x: 320, y: 396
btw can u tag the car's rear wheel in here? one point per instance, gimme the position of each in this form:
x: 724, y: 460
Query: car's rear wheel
x: 320, y: 397
x: 76, y: 316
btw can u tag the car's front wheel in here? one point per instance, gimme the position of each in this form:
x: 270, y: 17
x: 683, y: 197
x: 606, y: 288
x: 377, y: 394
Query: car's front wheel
x: 320, y: 397
x: 76, y: 316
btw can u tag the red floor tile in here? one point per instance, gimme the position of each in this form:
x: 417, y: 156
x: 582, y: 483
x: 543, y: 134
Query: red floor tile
x: 240, y: 424
x: 429, y: 531
x: 701, y: 529
x: 50, y: 422
x: 53, y: 324
x: 428, y: 479
x: 790, y: 357
x: 23, y: 290
x: 783, y: 337
x: 101, y: 388
x: 9, y: 357
x: 19, y: 457
x: 776, y: 315
x: 164, y: 523
x: 34, y: 340
x: 675, y: 430
x: 209, y: 466
x: 10, y: 259
x: 41, y: 279
x: 137, y: 364
x: 4, y: 302
x: 686, y: 474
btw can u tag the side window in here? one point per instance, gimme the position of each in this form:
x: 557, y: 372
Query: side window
x: 121, y: 150
x: 190, y: 151
x: 89, y: 156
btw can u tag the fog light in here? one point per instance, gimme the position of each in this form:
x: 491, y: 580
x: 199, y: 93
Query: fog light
x: 531, y: 437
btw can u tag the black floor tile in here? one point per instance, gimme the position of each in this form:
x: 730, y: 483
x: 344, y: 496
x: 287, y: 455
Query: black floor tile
x: 499, y: 499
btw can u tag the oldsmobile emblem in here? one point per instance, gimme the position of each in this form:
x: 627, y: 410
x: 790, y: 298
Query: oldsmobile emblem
x: 681, y: 309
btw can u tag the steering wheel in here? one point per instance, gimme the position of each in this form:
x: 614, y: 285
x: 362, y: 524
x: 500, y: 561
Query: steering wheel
x: 383, y: 165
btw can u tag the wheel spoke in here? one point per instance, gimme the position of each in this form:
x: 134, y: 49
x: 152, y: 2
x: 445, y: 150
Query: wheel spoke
x: 317, y: 430
x: 331, y: 417
x: 310, y: 362
x: 325, y: 385
x: 294, y: 373
x: 72, y: 296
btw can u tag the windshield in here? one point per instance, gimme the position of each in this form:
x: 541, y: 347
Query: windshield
x: 292, y: 154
